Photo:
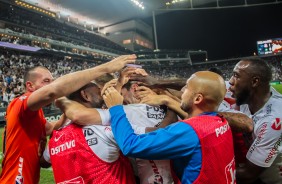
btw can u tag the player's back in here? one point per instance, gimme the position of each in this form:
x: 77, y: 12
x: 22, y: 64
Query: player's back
x: 95, y: 147
x: 143, y: 115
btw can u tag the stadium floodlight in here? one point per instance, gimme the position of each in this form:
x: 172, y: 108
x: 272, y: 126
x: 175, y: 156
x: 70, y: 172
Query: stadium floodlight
x: 138, y: 4
x: 175, y: 2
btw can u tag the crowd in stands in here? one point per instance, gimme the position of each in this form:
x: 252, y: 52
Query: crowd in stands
x: 13, y: 65
x: 177, y: 69
x: 28, y: 22
x: 12, y: 68
x: 33, y: 23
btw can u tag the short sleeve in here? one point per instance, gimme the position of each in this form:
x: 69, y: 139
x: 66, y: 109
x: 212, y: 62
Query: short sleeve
x: 267, y: 143
x: 105, y: 116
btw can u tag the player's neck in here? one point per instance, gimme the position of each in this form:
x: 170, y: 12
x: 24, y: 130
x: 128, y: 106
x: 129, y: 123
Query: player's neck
x: 258, y: 101
x: 195, y: 112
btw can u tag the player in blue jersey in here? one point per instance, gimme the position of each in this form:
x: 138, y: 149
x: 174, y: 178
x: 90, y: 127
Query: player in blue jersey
x: 184, y: 143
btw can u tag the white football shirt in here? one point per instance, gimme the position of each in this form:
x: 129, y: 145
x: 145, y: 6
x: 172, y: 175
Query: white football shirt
x: 101, y: 140
x: 141, y: 116
x: 266, y: 148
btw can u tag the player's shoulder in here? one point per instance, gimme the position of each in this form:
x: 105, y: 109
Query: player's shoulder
x: 134, y: 108
x: 17, y: 102
x: 98, y: 128
x: 272, y: 107
x: 99, y: 131
x: 276, y: 99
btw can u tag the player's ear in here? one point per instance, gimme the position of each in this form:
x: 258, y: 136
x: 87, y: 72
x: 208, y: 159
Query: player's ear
x: 29, y: 86
x: 198, y: 98
x: 84, y: 95
x: 255, y: 81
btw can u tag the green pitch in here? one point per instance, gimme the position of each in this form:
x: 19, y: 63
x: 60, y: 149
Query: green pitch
x: 46, y: 175
x: 278, y: 87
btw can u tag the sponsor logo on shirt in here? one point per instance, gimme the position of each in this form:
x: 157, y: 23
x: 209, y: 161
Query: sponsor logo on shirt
x: 268, y: 109
x: 259, y: 137
x: 221, y: 130
x: 92, y: 141
x: 155, y: 116
x: 273, y: 151
x: 155, y: 112
x: 88, y: 132
x: 230, y: 172
x: 276, y: 124
x: 19, y: 178
x: 63, y: 147
x: 58, y: 137
x: 77, y: 180
x: 107, y: 129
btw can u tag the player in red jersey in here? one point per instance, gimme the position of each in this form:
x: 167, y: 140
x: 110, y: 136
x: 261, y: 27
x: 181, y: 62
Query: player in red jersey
x: 91, y: 150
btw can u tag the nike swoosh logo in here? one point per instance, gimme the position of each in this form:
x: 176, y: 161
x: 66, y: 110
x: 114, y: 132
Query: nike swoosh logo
x: 58, y: 138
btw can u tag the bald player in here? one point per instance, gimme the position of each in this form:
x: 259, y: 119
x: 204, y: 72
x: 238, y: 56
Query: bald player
x: 200, y: 147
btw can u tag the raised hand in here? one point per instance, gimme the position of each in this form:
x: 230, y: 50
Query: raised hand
x: 119, y: 62
x: 144, y: 80
x: 111, y: 83
x: 154, y: 100
x: 126, y: 73
x: 112, y: 97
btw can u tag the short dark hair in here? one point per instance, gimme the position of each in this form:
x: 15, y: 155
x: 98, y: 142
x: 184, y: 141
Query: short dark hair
x: 76, y: 96
x: 128, y: 85
x: 103, y: 79
x: 260, y: 68
x: 28, y: 73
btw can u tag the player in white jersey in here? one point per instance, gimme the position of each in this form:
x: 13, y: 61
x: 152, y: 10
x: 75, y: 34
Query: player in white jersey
x: 149, y: 171
x: 142, y: 117
x: 101, y: 141
x: 250, y: 86
x: 100, y: 138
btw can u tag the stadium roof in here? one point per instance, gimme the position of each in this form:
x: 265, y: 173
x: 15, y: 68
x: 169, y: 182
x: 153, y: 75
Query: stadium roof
x: 102, y: 13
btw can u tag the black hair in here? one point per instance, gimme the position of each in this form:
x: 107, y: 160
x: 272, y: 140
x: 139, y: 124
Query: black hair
x: 76, y: 96
x: 260, y: 68
x: 128, y: 85
x: 102, y: 80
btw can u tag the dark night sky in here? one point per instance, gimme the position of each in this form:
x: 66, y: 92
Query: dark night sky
x: 224, y: 33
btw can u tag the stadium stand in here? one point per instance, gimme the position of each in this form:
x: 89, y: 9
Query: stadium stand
x: 21, y: 20
x: 13, y: 65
